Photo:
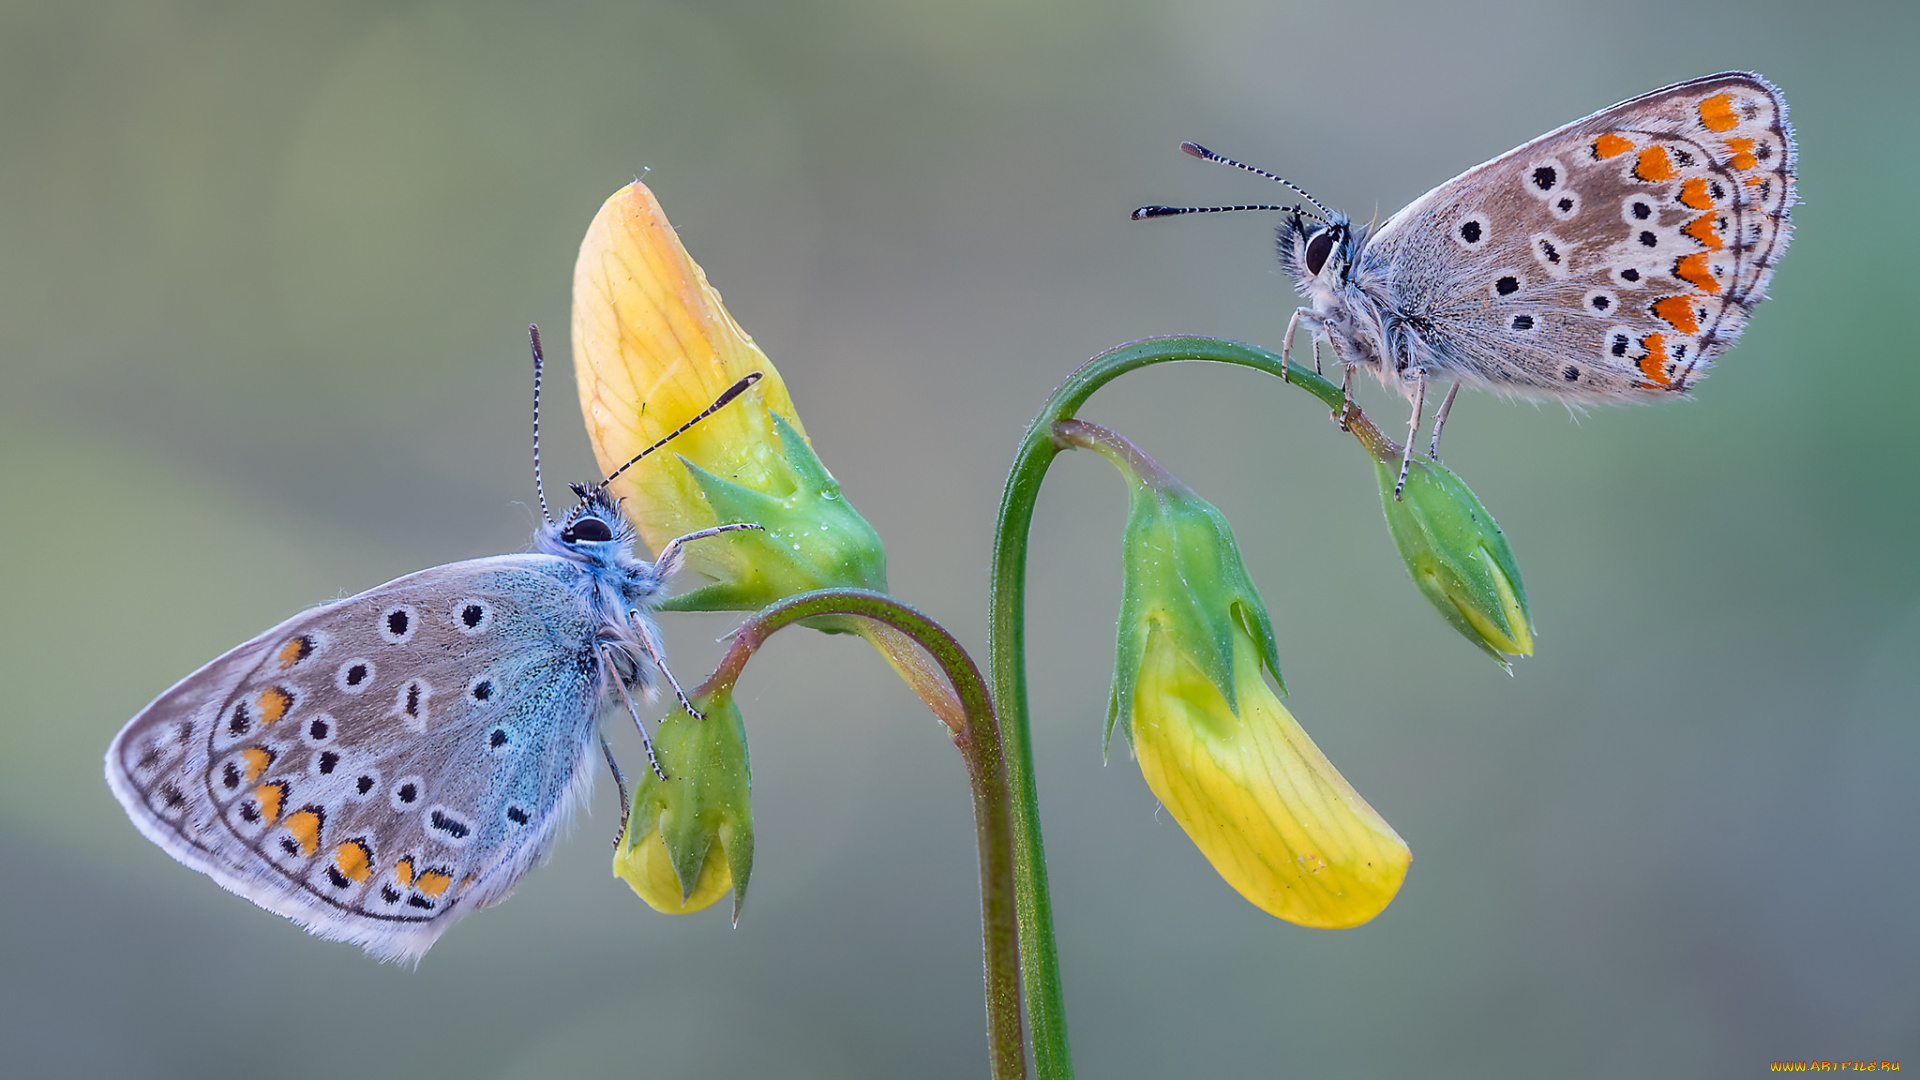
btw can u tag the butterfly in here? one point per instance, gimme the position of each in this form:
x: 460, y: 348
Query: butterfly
x: 377, y: 767
x: 1610, y: 260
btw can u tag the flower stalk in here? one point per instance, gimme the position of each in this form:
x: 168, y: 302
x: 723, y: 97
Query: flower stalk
x: 933, y: 663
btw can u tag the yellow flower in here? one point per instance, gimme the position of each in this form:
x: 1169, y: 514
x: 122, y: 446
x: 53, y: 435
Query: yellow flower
x: 1254, y: 794
x: 653, y: 346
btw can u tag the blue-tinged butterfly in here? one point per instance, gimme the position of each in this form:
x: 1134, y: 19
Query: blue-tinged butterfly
x: 1610, y: 260
x: 377, y: 767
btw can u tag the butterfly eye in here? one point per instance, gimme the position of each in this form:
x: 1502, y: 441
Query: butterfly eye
x: 1318, y: 249
x: 590, y: 529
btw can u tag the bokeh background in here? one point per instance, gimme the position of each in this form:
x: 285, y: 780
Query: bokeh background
x: 265, y: 273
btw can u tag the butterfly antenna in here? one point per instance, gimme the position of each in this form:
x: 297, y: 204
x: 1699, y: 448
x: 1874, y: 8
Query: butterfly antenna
x: 539, y: 362
x: 1204, y: 154
x: 720, y: 402
x: 1146, y: 212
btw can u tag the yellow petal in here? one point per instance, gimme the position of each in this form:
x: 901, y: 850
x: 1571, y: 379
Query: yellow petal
x: 1264, y: 805
x: 652, y: 347
x: 648, y: 870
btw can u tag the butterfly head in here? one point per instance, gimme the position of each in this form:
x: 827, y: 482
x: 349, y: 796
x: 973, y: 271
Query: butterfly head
x: 593, y: 531
x: 1319, y: 254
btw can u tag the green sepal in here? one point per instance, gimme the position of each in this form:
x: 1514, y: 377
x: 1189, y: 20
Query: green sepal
x: 810, y: 539
x: 1183, y: 574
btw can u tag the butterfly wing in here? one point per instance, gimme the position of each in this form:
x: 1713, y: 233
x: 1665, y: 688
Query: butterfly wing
x: 377, y: 767
x: 1613, y: 258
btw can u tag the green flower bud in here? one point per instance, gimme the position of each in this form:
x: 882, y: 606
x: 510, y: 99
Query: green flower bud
x: 689, y: 838
x: 1458, y: 556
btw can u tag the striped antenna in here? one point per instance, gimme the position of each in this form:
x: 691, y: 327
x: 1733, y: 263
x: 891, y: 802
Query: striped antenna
x: 720, y: 402
x: 1146, y: 212
x: 539, y: 362
x: 1204, y: 154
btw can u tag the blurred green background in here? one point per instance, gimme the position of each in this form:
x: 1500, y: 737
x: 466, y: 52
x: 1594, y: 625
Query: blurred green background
x: 265, y: 274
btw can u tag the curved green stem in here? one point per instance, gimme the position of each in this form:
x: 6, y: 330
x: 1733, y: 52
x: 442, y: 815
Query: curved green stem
x: 976, y: 733
x: 1006, y: 639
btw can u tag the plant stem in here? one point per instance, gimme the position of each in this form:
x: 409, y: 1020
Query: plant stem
x: 1006, y: 639
x: 976, y: 734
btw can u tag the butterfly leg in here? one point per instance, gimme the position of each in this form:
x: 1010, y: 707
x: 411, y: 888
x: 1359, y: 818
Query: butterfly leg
x: 653, y: 653
x: 1440, y: 421
x: 670, y: 557
x: 1286, y: 346
x: 1346, y: 396
x: 620, y: 781
x: 1286, y: 343
x: 1413, y: 429
x: 620, y: 684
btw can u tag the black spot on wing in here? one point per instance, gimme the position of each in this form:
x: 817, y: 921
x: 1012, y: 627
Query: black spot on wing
x: 449, y: 824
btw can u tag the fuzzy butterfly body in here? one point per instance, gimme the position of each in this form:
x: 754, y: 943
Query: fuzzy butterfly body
x: 1610, y: 260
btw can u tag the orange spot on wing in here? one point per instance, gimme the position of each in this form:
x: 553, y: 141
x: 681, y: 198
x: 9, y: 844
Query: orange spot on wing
x: 305, y: 827
x: 1693, y: 270
x: 273, y: 704
x: 294, y: 651
x: 1694, y: 193
x: 258, y: 758
x: 1742, y: 153
x: 403, y: 871
x: 1717, y: 113
x: 433, y: 882
x: 354, y: 860
x: 1678, y: 310
x: 1610, y: 145
x: 271, y: 798
x: 1654, y: 364
x: 1653, y: 165
x: 1706, y: 230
